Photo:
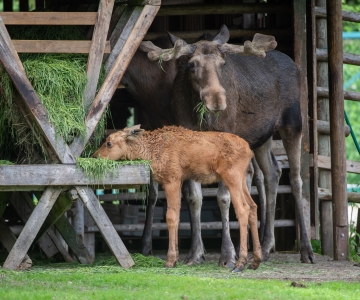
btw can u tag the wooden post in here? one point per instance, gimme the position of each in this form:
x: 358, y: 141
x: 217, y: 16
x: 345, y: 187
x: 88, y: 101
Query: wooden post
x: 324, y: 140
x: 301, y: 62
x: 337, y: 140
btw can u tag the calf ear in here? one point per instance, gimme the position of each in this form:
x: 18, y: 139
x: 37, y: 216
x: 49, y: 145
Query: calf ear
x: 134, y: 133
x: 223, y: 35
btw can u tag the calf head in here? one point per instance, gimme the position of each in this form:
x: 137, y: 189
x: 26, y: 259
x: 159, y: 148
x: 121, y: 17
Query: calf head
x: 206, y: 61
x: 117, y: 144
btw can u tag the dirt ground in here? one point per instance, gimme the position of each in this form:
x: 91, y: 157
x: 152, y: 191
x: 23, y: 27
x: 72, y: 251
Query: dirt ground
x: 287, y: 266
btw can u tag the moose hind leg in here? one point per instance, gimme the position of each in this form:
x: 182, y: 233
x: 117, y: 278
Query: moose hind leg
x: 272, y: 172
x: 192, y: 194
x: 228, y: 254
x: 292, y: 145
x: 146, y: 239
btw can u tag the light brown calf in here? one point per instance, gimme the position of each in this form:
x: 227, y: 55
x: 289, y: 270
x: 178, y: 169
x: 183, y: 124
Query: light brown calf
x: 177, y: 154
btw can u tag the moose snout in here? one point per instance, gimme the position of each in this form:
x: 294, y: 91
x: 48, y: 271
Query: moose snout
x: 215, y: 100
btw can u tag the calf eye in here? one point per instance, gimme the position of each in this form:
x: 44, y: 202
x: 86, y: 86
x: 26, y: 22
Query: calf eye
x: 108, y: 144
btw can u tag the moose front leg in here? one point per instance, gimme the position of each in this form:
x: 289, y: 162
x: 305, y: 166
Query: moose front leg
x: 173, y: 198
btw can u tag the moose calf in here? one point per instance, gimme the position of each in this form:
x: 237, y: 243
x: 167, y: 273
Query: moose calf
x: 178, y: 154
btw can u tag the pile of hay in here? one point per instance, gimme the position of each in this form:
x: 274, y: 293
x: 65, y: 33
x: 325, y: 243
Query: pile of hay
x: 60, y: 81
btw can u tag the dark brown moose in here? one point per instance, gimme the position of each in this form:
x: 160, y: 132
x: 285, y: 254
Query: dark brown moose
x: 178, y: 154
x: 252, y: 92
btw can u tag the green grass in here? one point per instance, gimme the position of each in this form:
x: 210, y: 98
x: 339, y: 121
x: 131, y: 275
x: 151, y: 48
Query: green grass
x: 105, y: 279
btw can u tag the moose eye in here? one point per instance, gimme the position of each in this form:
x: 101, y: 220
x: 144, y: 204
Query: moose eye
x: 191, y: 66
x: 108, y: 144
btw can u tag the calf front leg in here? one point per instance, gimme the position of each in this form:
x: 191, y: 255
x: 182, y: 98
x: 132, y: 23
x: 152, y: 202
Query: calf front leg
x: 192, y: 194
x: 146, y: 239
x: 173, y: 198
x: 228, y: 254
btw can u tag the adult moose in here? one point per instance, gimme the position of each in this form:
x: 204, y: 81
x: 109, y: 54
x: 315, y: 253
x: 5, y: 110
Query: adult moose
x: 257, y: 95
x: 151, y: 86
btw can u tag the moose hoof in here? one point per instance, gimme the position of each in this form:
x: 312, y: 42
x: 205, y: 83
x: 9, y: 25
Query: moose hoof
x: 254, y: 266
x: 194, y: 259
x: 307, y: 255
x: 237, y: 269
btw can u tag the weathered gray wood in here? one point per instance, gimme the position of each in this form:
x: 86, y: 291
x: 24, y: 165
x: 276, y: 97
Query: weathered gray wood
x: 323, y: 92
x: 133, y: 39
x: 186, y: 226
x: 8, y: 239
x: 106, y: 228
x: 347, y: 58
x: 130, y: 15
x: 24, y: 212
x: 324, y: 140
x: 337, y: 140
x: 351, y: 166
x: 323, y: 127
x: 97, y: 50
x: 326, y: 195
x: 233, y: 33
x: 68, y: 175
x: 300, y: 60
x: 206, y: 192
x: 59, y: 245
x: 32, y: 226
x: 48, y: 18
x: 346, y: 15
x: 210, y: 9
x: 89, y: 237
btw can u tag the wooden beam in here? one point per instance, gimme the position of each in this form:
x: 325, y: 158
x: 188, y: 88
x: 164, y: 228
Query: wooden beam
x: 49, y: 18
x: 323, y: 127
x: 233, y: 33
x: 107, y: 230
x: 326, y: 195
x: 187, y: 226
x: 218, y: 9
x: 133, y: 38
x: 347, y: 58
x: 323, y: 92
x: 346, y: 15
x: 69, y: 175
x: 8, y: 239
x: 351, y: 166
x: 54, y: 46
x: 31, y: 228
x: 337, y: 140
x: 97, y: 50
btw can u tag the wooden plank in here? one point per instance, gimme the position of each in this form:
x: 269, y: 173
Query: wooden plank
x: 16, y: 72
x: 24, y: 211
x: 233, y: 33
x: 346, y: 15
x: 49, y: 18
x: 69, y: 175
x: 324, y: 181
x: 97, y: 50
x: 32, y: 226
x: 209, y: 9
x: 143, y: 2
x: 8, y: 239
x: 326, y: 195
x: 54, y: 46
x: 187, y: 226
x: 351, y: 166
x: 347, y: 58
x: 323, y: 127
x: 206, y: 192
x: 133, y: 38
x: 323, y: 92
x: 301, y: 62
x: 106, y: 228
x: 337, y: 139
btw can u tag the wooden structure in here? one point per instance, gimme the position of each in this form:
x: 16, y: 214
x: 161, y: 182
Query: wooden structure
x: 297, y: 26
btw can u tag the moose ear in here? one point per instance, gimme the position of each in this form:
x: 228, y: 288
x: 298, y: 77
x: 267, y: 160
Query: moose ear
x: 223, y: 35
x: 134, y: 132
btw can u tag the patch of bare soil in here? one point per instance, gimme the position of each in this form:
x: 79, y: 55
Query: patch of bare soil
x: 287, y: 266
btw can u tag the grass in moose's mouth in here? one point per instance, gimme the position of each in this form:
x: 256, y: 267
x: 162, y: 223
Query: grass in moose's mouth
x: 201, y: 109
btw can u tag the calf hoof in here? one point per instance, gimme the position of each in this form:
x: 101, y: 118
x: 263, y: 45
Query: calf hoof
x: 237, y: 269
x: 170, y: 264
x: 254, y: 265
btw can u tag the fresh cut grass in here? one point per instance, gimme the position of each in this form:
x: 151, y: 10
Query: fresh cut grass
x: 105, y: 279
